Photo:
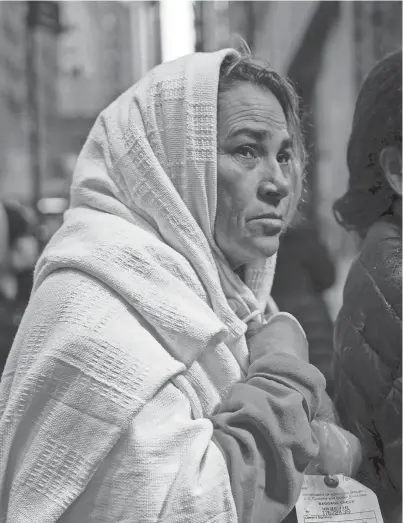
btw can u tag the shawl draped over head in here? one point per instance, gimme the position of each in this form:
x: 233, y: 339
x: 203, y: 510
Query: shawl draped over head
x: 143, y: 206
x: 131, y: 360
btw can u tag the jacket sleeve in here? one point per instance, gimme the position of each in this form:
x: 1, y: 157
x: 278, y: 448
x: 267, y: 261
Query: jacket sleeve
x: 263, y: 430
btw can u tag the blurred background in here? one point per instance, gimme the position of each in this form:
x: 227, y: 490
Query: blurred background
x: 61, y: 63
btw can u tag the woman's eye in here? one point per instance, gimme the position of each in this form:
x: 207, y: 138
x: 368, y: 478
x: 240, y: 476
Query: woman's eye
x: 283, y: 158
x: 247, y: 151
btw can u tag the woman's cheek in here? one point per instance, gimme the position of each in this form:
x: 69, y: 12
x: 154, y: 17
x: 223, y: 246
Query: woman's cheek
x: 236, y: 189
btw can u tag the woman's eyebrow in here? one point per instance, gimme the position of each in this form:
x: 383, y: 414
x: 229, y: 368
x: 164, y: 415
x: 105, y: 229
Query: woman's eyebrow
x: 260, y: 135
x: 256, y: 134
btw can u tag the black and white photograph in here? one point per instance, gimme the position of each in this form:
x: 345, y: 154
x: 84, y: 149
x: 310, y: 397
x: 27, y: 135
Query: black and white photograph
x: 200, y: 261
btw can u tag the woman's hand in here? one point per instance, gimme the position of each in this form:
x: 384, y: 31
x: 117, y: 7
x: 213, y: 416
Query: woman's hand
x: 281, y: 333
x: 340, y: 451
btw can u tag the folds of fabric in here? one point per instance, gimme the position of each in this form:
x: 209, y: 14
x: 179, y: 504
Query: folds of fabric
x: 134, y: 334
x: 100, y: 423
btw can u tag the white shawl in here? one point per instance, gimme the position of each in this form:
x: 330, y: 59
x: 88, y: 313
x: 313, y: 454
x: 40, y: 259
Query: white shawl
x: 150, y: 164
x: 134, y: 329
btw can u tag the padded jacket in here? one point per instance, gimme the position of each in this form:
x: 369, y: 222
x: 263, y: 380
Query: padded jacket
x: 367, y: 364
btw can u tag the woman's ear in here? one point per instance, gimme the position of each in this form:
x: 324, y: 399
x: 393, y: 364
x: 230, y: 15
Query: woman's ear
x: 391, y: 163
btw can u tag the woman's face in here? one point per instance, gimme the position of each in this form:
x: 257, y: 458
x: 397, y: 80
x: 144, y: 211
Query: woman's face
x: 253, y: 173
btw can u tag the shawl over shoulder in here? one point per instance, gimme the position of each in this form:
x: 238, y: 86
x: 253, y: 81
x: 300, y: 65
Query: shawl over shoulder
x: 128, y: 394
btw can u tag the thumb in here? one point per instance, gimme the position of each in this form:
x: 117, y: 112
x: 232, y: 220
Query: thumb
x: 284, y: 331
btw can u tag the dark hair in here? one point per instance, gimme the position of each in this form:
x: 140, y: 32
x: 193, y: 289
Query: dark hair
x: 377, y: 123
x: 242, y: 68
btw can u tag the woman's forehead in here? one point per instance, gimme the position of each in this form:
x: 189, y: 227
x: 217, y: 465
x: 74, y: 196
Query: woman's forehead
x: 248, y: 108
x: 248, y: 105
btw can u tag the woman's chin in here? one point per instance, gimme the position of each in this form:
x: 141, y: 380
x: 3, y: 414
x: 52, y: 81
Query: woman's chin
x: 265, y: 246
x: 251, y: 249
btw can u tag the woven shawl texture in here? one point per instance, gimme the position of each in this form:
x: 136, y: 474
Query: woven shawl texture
x: 134, y: 325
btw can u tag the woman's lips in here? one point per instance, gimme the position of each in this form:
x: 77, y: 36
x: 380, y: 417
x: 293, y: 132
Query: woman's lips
x: 271, y: 224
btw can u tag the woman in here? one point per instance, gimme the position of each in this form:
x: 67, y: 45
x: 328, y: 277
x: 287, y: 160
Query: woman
x: 130, y: 393
x: 368, y: 333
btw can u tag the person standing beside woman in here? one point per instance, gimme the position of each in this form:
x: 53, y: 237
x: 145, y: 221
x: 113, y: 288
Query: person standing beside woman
x: 367, y: 367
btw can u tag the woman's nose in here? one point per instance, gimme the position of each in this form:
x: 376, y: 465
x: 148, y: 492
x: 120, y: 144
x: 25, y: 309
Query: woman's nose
x: 275, y: 184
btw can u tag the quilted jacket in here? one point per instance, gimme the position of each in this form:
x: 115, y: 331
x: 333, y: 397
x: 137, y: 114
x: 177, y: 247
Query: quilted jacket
x: 368, y: 364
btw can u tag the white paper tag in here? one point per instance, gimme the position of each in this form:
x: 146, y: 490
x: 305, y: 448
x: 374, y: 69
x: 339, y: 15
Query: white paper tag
x: 336, y: 498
